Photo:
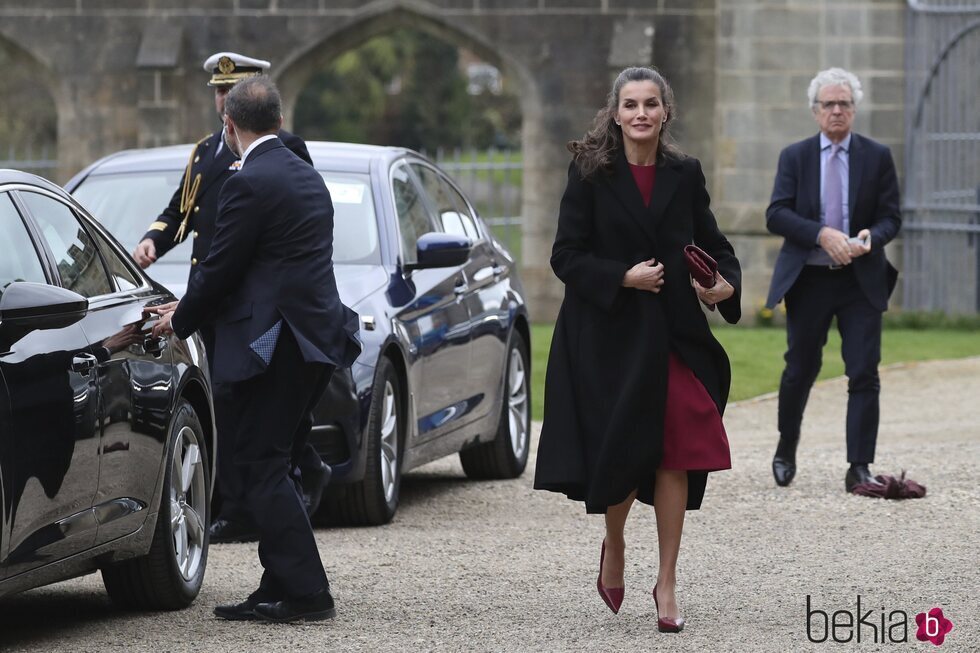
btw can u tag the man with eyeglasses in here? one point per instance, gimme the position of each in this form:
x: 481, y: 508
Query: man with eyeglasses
x: 835, y: 203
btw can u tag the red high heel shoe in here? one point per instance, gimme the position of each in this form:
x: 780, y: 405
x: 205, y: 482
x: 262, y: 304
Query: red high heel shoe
x: 665, y: 624
x: 613, y: 596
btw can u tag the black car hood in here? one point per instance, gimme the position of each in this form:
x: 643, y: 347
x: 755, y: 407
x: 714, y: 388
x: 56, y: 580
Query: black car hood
x: 356, y: 282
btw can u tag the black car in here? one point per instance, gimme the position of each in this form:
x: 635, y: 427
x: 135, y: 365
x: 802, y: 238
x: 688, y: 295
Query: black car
x: 106, y: 439
x: 445, y: 366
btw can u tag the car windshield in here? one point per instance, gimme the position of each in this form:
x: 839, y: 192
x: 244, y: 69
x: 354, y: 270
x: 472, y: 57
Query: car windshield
x: 126, y: 204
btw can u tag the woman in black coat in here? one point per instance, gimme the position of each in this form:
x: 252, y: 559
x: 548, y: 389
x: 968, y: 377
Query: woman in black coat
x: 614, y: 429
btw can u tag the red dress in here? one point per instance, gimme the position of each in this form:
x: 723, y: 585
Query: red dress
x: 694, y: 436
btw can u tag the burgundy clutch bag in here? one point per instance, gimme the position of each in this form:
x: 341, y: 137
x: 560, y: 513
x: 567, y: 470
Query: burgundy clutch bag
x: 702, y: 267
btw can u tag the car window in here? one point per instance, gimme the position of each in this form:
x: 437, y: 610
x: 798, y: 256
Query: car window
x: 127, y: 203
x: 463, y: 212
x: 413, y: 216
x: 79, y: 264
x: 121, y: 274
x: 355, y: 225
x: 19, y: 261
x: 447, y: 203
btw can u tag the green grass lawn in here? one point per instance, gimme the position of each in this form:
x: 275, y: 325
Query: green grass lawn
x: 757, y: 355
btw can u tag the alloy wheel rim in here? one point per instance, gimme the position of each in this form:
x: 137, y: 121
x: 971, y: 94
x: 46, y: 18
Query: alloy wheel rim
x: 389, y: 442
x: 517, y: 413
x: 188, y: 504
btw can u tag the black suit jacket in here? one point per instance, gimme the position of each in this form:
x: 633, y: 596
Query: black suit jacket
x: 272, y: 259
x: 794, y: 213
x: 213, y: 171
x: 606, y: 386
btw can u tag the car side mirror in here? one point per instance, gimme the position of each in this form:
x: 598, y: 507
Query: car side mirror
x: 39, y: 306
x: 441, y: 250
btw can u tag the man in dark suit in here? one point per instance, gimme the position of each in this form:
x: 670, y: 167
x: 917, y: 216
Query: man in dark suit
x: 280, y: 331
x: 835, y: 202
x: 192, y: 212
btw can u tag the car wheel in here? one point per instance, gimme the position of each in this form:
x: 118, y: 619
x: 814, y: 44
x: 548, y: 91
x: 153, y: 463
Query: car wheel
x: 506, y: 455
x: 374, y: 499
x: 169, y: 576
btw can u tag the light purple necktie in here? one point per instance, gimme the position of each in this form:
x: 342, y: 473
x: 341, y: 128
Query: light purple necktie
x: 833, y: 211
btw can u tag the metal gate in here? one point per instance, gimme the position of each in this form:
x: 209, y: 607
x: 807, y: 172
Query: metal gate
x: 941, y: 229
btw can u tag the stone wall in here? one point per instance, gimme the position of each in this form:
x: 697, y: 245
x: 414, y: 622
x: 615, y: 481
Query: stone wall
x: 127, y: 73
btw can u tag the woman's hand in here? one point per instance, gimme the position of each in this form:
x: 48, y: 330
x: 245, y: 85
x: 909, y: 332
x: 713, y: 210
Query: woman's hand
x: 645, y: 275
x: 721, y: 291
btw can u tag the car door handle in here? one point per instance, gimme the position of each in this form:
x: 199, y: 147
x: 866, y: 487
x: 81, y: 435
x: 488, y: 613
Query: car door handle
x: 497, y: 270
x: 82, y: 363
x: 156, y: 345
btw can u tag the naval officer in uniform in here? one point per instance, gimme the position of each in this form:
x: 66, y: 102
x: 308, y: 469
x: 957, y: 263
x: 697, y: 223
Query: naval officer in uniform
x: 191, y: 214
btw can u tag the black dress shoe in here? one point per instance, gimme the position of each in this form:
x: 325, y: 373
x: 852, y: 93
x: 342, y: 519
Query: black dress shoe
x: 316, y: 607
x: 857, y: 474
x: 223, y: 531
x: 242, y: 611
x: 315, y: 481
x: 784, y: 463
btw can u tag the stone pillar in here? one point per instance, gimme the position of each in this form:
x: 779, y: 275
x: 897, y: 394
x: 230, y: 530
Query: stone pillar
x: 545, y: 164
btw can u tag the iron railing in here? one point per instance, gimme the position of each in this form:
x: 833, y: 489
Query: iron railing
x: 492, y: 180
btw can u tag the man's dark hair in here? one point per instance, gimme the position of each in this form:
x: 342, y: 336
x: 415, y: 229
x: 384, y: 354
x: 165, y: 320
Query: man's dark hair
x: 254, y: 105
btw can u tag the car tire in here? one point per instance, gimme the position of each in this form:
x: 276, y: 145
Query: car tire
x: 373, y: 500
x: 506, y: 455
x: 169, y: 576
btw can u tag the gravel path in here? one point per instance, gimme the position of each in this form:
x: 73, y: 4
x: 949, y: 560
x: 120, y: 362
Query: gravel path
x: 495, y: 566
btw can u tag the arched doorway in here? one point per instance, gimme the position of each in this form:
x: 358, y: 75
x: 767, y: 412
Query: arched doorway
x: 410, y: 89
x: 533, y: 235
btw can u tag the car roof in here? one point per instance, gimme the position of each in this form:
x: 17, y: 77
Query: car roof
x: 9, y: 176
x: 326, y: 155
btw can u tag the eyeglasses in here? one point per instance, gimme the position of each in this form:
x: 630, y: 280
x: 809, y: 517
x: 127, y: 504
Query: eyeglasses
x: 845, y: 105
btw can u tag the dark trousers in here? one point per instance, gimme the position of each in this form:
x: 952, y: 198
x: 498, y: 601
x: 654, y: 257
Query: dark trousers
x: 271, y: 416
x: 228, y: 501
x: 819, y: 295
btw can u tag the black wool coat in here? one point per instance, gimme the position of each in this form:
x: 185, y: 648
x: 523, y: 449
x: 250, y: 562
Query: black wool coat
x: 606, y: 384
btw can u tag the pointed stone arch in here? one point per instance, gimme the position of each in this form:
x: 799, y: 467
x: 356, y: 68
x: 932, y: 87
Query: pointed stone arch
x: 295, y: 71
x: 537, y: 208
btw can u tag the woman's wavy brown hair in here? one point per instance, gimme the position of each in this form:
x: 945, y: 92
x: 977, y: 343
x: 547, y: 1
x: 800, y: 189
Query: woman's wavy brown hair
x: 598, y: 147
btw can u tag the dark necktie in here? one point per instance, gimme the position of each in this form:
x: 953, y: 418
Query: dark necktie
x: 833, y: 212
